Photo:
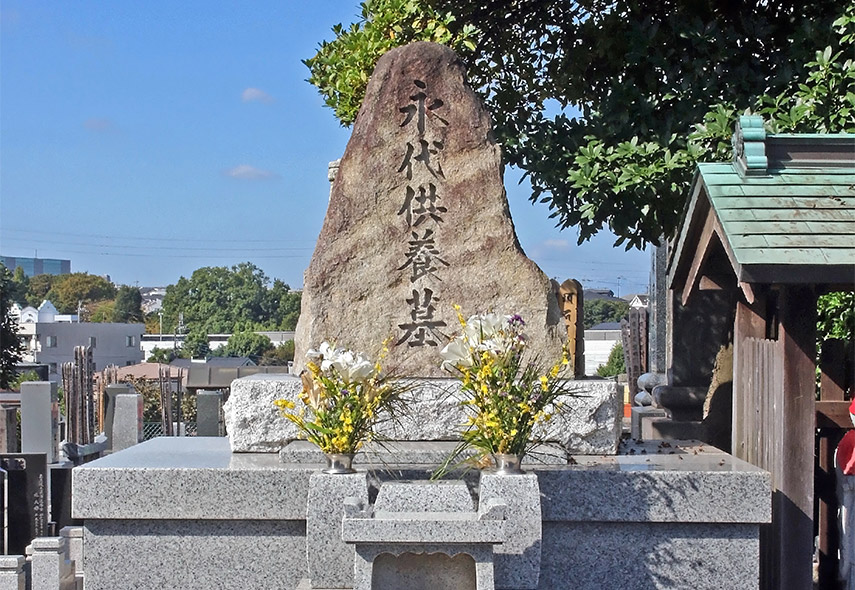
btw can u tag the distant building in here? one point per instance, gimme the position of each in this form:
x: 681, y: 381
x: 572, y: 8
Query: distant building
x: 637, y: 301
x: 599, y: 341
x: 37, y: 266
x: 152, y: 298
x: 215, y: 341
x: 591, y: 294
x: 50, y: 338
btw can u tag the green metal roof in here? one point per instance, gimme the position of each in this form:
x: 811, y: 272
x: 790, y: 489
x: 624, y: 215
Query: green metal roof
x: 782, y: 212
x: 789, y: 217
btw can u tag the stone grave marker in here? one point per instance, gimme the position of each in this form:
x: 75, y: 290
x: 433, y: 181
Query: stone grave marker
x: 27, y: 509
x: 418, y: 221
x: 40, y: 418
x: 127, y: 421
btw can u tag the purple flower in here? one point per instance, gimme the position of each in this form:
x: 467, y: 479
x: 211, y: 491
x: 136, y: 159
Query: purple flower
x: 516, y: 320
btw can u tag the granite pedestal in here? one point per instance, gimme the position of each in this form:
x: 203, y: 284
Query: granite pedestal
x: 188, y: 513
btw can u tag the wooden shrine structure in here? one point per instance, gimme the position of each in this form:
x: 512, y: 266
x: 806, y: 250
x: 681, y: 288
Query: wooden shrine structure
x: 762, y: 237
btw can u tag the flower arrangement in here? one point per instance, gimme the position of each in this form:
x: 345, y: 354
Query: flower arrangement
x: 344, y: 396
x: 505, y: 394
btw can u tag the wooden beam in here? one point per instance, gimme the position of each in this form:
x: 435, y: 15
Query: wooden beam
x: 702, y: 253
x: 716, y: 282
x: 833, y: 414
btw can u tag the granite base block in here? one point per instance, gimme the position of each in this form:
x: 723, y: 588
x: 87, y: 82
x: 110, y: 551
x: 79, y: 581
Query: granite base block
x: 517, y: 560
x: 12, y: 572
x: 639, y: 412
x: 329, y: 558
x: 645, y: 556
x: 188, y: 513
x: 194, y: 555
x: 668, y: 429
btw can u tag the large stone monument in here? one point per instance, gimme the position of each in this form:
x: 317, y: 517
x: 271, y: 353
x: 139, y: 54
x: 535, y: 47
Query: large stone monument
x: 418, y: 220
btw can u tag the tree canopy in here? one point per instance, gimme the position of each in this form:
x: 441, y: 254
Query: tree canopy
x: 222, y: 300
x: 68, y: 291
x: 127, y: 307
x: 595, y: 101
x: 10, y: 346
x: 597, y: 311
x: 247, y: 343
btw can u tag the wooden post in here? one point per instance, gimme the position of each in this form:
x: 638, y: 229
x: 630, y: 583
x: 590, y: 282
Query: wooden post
x: 832, y: 376
x: 792, y: 504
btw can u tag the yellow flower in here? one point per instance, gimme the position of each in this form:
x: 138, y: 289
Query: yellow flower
x: 284, y: 404
x: 544, y: 383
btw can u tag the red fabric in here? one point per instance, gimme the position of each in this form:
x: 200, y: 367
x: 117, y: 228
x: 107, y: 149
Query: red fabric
x: 846, y: 453
x: 852, y: 408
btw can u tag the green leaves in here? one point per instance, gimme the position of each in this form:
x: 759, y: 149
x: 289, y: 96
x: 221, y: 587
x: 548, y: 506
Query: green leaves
x: 657, y: 87
x: 341, y: 68
x: 222, y: 300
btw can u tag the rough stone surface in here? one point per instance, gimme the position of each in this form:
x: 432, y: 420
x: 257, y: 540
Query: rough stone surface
x: 418, y: 220
x: 589, y: 423
x: 330, y: 560
x: 517, y: 560
x: 253, y: 423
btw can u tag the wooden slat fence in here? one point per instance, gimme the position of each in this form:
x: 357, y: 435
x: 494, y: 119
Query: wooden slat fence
x: 758, y: 426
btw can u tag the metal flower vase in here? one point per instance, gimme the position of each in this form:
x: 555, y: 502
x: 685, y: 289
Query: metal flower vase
x: 339, y: 463
x: 508, y: 463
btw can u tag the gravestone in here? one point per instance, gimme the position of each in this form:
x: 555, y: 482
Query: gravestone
x: 27, y: 496
x: 111, y: 392
x: 209, y: 413
x: 127, y: 421
x: 418, y: 221
x: 40, y: 418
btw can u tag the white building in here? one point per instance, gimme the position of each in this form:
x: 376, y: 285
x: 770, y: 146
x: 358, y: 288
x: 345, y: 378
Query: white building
x: 50, y: 338
x: 599, y: 342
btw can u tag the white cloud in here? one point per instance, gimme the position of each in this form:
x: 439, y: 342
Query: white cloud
x: 247, y: 172
x: 256, y: 95
x: 100, y: 125
x: 556, y: 244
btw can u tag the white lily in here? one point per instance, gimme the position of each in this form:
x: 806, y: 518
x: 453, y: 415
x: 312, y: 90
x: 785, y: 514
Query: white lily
x: 456, y: 354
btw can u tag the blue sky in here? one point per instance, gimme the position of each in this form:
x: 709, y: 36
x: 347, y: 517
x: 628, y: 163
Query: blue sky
x: 143, y: 140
